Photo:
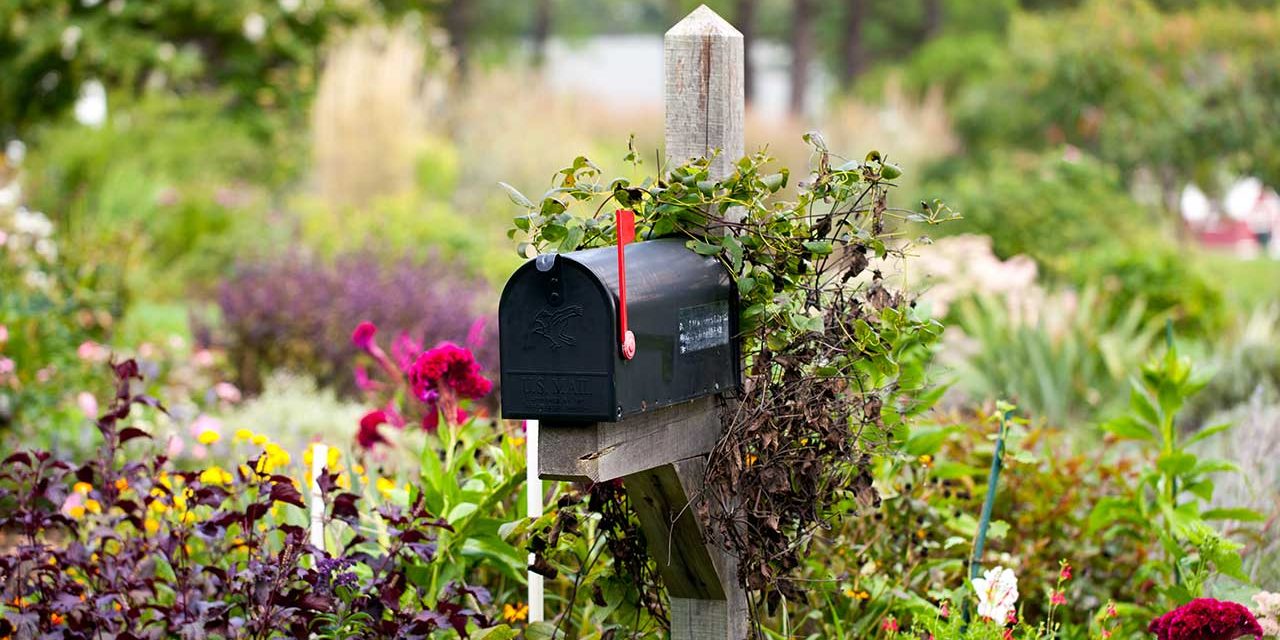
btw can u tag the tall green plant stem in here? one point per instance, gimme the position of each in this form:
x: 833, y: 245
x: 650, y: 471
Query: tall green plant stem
x: 993, y: 479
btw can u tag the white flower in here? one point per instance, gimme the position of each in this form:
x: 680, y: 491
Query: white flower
x: 70, y: 41
x: 290, y: 6
x: 14, y: 152
x: 254, y: 27
x: 32, y: 223
x: 997, y: 593
x: 91, y: 106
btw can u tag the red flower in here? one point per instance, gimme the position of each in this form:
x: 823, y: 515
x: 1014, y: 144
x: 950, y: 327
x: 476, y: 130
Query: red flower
x: 368, y: 435
x: 1206, y: 619
x: 1058, y: 598
x: 431, y: 421
x: 1065, y: 574
x: 448, y: 366
x: 889, y: 625
x: 363, y: 335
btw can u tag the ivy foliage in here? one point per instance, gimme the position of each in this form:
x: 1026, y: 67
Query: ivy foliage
x: 834, y: 356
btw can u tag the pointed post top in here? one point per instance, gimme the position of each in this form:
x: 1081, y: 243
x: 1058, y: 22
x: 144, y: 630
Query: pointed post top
x: 703, y: 21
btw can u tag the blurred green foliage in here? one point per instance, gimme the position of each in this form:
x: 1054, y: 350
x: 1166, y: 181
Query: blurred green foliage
x: 1043, y: 205
x: 164, y: 195
x: 262, y: 53
x: 1181, y: 95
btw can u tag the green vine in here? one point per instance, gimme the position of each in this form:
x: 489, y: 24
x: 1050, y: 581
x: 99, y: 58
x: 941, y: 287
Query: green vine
x: 834, y: 356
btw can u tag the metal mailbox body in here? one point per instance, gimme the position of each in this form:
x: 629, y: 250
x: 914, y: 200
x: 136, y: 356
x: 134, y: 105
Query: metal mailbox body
x: 559, y: 335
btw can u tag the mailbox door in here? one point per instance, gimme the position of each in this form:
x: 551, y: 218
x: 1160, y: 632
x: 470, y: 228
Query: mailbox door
x: 682, y: 308
x: 557, y: 329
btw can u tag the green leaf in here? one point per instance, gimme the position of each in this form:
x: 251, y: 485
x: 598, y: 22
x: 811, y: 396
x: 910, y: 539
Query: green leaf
x: 890, y: 171
x: 1206, y: 433
x: 572, y: 240
x: 775, y: 181
x: 745, y: 285
x: 1237, y: 514
x: 704, y: 248
x: 818, y: 247
x: 542, y: 630
x: 733, y: 250
x: 516, y: 196
x: 500, y: 632
x: 1129, y: 428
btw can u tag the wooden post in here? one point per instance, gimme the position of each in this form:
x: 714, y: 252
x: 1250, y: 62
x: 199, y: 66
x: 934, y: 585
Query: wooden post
x: 703, y: 62
x: 662, y: 454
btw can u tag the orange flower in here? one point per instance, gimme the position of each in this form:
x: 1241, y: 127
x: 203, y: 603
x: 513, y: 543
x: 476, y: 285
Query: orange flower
x: 56, y: 619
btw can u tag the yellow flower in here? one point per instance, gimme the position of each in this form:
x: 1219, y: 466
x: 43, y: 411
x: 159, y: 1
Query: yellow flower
x: 82, y: 488
x: 122, y: 485
x: 164, y: 480
x: 151, y: 525
x: 517, y: 441
x: 208, y: 437
x: 751, y: 459
x: 53, y: 561
x: 512, y: 614
x: 358, y: 469
x: 56, y: 619
x: 92, y: 506
x: 343, y: 481
x: 385, y: 486
x: 116, y: 605
x: 76, y: 512
x: 158, y: 507
x: 215, y: 475
x: 850, y: 593
x: 258, y: 439
x: 926, y: 460
x: 242, y: 435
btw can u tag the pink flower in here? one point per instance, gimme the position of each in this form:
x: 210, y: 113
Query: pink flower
x: 475, y: 335
x: 1206, y: 619
x: 1058, y: 598
x: 404, y: 350
x: 448, y: 367
x: 1065, y: 574
x: 431, y: 421
x: 1008, y: 634
x: 890, y: 625
x: 945, y: 612
x: 363, y: 381
x: 7, y: 366
x: 1111, y: 610
x: 174, y: 447
x: 227, y: 392
x: 363, y: 335
x: 4, y: 333
x: 368, y: 435
x: 88, y: 404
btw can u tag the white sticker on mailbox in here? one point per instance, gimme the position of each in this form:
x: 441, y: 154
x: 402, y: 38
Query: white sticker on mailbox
x: 704, y: 327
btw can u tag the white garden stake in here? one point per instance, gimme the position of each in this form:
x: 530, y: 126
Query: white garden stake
x: 533, y: 504
x: 319, y: 455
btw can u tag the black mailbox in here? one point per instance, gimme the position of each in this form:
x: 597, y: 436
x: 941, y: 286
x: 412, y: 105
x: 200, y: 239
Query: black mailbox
x: 559, y: 333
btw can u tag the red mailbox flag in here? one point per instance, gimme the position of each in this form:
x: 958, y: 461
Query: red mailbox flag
x: 626, y: 224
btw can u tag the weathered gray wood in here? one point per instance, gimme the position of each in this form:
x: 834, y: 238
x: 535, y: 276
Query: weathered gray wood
x: 600, y: 451
x: 701, y: 579
x: 702, y: 56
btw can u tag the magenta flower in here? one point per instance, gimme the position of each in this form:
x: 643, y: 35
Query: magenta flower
x: 368, y: 436
x: 1206, y: 619
x: 448, y: 367
x: 363, y: 335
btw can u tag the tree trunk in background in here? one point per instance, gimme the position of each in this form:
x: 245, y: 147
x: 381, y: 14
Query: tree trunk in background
x: 541, y: 31
x: 801, y: 53
x: 932, y: 18
x: 746, y: 23
x: 458, y: 18
x: 853, y: 51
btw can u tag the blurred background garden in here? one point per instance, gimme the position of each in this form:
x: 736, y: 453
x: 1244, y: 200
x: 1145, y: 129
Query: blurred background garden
x: 224, y: 189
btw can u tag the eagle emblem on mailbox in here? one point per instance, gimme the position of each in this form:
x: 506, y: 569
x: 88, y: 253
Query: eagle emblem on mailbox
x: 550, y: 324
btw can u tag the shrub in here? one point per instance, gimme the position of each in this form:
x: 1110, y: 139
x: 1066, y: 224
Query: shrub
x: 1047, y: 206
x: 126, y: 545
x: 297, y: 311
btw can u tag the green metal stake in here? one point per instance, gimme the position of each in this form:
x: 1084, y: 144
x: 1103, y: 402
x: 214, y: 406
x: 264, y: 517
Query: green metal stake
x: 993, y: 479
